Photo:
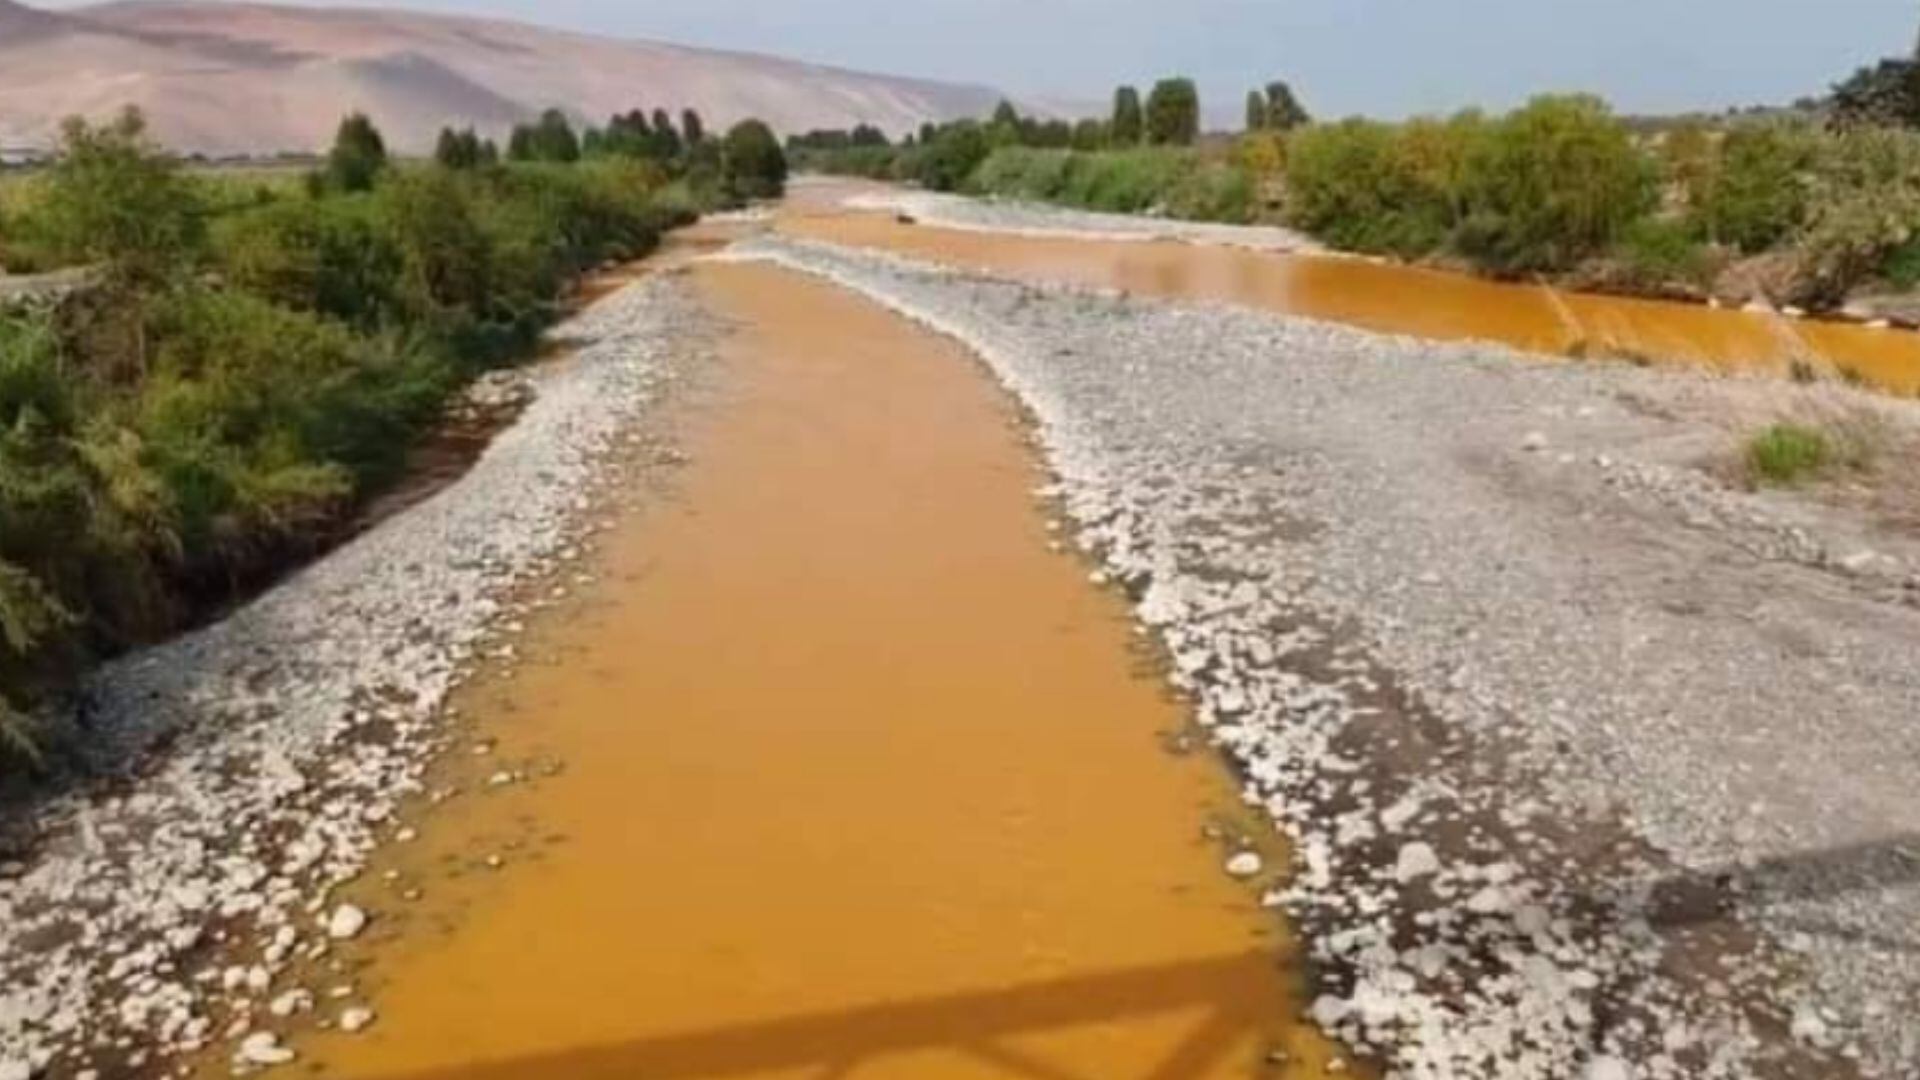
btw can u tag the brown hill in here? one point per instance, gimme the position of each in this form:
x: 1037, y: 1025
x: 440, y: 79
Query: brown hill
x: 226, y: 78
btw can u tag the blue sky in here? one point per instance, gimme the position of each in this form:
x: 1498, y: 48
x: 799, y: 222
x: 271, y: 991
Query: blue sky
x: 1385, y: 57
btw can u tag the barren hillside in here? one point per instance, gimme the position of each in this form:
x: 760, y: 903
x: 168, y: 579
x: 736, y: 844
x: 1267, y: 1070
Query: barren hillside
x: 227, y: 78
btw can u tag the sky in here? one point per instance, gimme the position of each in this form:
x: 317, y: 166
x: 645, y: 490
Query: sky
x: 1379, y: 57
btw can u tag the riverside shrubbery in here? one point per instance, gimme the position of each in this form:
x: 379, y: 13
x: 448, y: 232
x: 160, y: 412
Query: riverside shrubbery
x: 249, y: 360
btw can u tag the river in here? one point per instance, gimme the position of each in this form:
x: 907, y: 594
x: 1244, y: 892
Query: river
x: 842, y: 767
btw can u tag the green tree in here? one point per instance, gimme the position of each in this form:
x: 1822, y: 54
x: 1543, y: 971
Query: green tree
x: 459, y: 149
x: 1128, y: 123
x: 692, y: 128
x: 1553, y: 183
x: 667, y: 138
x: 358, y: 156
x: 1256, y: 110
x: 1173, y: 113
x: 115, y: 199
x: 1090, y: 134
x: 752, y: 164
x: 1284, y: 111
x: 551, y: 138
x: 1757, y: 192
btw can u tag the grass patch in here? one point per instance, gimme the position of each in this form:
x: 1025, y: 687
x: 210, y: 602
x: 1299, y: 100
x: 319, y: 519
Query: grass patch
x: 1788, y: 453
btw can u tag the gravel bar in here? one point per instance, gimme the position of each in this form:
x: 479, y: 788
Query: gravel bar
x: 1596, y: 764
x: 156, y: 913
x: 1019, y: 218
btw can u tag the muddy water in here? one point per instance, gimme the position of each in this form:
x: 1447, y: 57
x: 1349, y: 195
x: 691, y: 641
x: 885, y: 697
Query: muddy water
x: 859, y: 778
x: 1399, y: 299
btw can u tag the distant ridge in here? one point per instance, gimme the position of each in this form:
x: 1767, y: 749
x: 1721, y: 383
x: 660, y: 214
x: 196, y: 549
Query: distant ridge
x: 249, y: 78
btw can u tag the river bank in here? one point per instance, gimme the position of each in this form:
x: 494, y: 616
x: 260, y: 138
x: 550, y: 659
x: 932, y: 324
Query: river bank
x: 149, y: 916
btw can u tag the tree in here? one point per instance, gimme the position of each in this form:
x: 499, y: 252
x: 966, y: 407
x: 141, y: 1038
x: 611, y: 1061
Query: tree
x: 1256, y: 111
x: 1883, y: 95
x: 1173, y: 113
x: 550, y: 139
x: 459, y: 149
x: 1005, y: 113
x: 753, y: 165
x: 358, y: 156
x: 692, y: 129
x: 1284, y: 111
x: 1090, y: 134
x: 114, y: 198
x: 1128, y: 124
x: 667, y: 140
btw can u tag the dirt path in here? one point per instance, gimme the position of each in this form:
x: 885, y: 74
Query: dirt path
x: 857, y: 774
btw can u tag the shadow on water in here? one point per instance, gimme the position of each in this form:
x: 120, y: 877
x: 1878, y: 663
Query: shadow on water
x: 978, y: 1025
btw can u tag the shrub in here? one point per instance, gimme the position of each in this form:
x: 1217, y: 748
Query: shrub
x: 1368, y: 186
x: 945, y: 163
x: 1550, y: 185
x: 113, y: 199
x: 754, y: 166
x: 1864, y: 204
x: 1753, y: 193
x: 1657, y: 251
x: 1787, y: 453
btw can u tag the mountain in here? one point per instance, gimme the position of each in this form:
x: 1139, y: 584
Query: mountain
x: 246, y: 78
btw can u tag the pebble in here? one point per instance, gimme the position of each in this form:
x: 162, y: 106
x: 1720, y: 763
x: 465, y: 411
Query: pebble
x: 263, y: 1048
x: 346, y: 922
x: 355, y: 1019
x: 1244, y: 864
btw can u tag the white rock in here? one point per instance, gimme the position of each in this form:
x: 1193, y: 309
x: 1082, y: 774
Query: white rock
x: 1417, y: 860
x: 355, y: 1019
x: 346, y: 922
x: 1246, y: 864
x: 263, y: 1048
x: 1605, y: 1067
x: 1535, y: 441
x: 15, y: 1070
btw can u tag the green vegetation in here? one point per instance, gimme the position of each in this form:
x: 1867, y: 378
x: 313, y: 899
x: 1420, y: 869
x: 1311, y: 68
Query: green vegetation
x: 1129, y: 122
x: 1160, y: 180
x: 252, y: 357
x: 1173, y: 113
x: 1787, y: 453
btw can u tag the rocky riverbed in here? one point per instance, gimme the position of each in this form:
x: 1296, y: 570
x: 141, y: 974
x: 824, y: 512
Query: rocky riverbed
x: 1032, y: 219
x: 251, y: 768
x: 1597, y: 764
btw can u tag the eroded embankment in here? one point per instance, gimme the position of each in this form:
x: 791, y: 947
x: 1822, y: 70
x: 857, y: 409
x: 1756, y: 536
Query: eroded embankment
x: 1273, y: 270
x: 840, y: 765
x: 150, y: 917
x: 1598, y: 767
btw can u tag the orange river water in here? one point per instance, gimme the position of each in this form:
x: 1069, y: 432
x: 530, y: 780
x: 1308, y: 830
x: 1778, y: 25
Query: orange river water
x: 859, y: 776
x: 1392, y: 298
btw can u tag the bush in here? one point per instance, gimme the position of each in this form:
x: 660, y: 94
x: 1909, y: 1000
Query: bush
x: 1864, y: 205
x: 1374, y: 187
x: 1753, y: 193
x: 753, y: 165
x: 1550, y: 185
x: 1657, y: 252
x: 1787, y: 453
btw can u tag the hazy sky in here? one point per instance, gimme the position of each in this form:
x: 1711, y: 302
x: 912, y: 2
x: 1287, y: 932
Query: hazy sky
x: 1376, y: 56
